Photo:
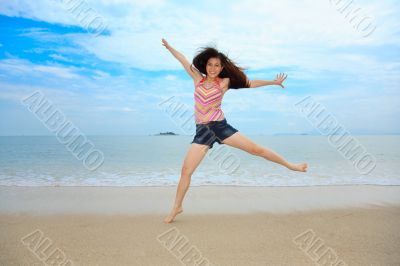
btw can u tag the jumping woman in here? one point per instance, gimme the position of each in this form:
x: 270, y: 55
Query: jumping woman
x: 213, y: 75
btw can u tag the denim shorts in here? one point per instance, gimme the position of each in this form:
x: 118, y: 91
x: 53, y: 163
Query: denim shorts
x: 214, y: 131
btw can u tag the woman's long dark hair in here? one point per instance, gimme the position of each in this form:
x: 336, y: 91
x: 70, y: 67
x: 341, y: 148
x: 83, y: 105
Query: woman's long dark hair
x: 237, y: 77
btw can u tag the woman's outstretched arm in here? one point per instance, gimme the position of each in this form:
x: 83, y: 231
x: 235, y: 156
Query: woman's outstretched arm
x: 193, y: 72
x: 280, y: 78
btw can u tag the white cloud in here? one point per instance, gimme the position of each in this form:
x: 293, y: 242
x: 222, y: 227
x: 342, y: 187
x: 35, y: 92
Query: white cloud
x: 59, y: 57
x: 257, y: 33
x: 170, y: 77
x: 56, y: 71
x: 128, y: 109
x: 21, y: 67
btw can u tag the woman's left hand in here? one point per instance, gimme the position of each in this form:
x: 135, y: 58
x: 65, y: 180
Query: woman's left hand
x: 280, y: 78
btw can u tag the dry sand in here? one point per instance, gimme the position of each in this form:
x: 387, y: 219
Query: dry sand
x: 346, y: 225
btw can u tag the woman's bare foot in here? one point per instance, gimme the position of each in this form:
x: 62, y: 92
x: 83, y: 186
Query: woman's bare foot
x: 171, y: 216
x: 301, y: 167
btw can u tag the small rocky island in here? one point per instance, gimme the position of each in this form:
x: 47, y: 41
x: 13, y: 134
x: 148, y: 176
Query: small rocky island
x: 166, y: 134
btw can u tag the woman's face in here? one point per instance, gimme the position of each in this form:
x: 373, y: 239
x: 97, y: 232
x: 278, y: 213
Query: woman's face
x: 213, y: 67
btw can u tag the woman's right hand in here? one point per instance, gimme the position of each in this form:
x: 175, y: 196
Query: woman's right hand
x: 165, y: 43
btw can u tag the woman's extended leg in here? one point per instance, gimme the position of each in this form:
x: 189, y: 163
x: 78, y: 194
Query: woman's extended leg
x: 193, y: 158
x: 239, y: 141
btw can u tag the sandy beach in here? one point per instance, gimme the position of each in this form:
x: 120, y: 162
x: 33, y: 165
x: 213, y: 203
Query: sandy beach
x: 320, y: 225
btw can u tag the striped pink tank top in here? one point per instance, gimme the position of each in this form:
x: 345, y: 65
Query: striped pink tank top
x: 207, y: 101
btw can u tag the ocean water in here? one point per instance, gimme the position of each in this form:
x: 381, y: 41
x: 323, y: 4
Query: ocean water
x: 157, y: 161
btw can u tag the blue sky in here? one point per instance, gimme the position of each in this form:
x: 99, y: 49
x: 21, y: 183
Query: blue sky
x: 112, y: 81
